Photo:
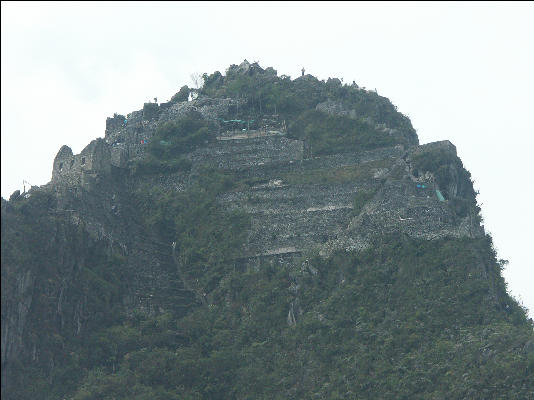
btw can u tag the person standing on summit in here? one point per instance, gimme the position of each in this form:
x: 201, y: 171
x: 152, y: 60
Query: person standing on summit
x: 302, y: 71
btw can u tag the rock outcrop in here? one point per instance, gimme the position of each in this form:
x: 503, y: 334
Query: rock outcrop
x: 297, y: 205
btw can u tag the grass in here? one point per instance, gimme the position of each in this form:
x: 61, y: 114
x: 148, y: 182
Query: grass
x: 344, y: 174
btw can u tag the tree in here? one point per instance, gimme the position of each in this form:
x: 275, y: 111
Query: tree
x: 181, y: 95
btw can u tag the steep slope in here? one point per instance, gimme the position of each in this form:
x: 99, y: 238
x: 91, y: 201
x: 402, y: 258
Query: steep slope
x: 260, y: 237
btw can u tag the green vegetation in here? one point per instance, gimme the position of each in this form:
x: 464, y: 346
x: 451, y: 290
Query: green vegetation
x: 207, y: 237
x: 328, y: 134
x: 173, y: 139
x: 440, y: 163
x: 407, y: 319
x: 181, y: 95
x: 179, y: 137
x: 360, y: 199
x: 344, y: 174
x: 151, y: 165
x: 263, y: 92
x: 404, y: 319
x: 448, y: 169
x: 150, y: 110
x: 41, y: 241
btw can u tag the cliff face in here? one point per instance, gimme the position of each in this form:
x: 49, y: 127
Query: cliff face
x: 236, y: 185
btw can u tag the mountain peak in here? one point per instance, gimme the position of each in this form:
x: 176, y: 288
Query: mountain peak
x: 257, y: 237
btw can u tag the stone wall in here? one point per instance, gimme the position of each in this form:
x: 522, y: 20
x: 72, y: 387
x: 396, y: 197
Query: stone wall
x: 246, y: 153
x: 210, y: 109
x: 71, y: 169
x: 338, y: 108
x: 130, y: 130
x: 286, y: 218
x: 403, y: 208
x: 435, y: 146
x: 274, y: 169
x: 120, y: 155
x: 293, y: 219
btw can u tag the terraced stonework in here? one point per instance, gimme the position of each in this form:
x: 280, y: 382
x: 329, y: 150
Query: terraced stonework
x: 297, y: 204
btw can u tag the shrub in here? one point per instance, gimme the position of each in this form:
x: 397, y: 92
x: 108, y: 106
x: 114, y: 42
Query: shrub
x: 151, y: 165
x: 181, y: 95
x: 446, y: 168
x: 329, y: 134
x: 150, y: 110
x: 360, y: 199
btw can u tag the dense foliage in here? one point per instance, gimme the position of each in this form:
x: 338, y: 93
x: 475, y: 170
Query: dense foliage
x: 446, y: 168
x: 407, y: 319
x: 360, y: 199
x: 55, y: 252
x: 452, y: 178
x: 181, y: 95
x: 328, y: 134
x: 207, y: 237
x: 150, y: 110
x: 404, y: 319
x: 263, y: 92
x: 171, y: 142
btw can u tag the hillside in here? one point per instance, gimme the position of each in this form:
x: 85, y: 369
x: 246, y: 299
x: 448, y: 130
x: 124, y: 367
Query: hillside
x: 258, y: 237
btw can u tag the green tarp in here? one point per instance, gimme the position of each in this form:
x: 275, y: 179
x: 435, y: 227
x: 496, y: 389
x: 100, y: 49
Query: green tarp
x: 440, y: 196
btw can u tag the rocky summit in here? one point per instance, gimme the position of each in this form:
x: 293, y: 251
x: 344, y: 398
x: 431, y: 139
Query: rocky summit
x: 258, y: 237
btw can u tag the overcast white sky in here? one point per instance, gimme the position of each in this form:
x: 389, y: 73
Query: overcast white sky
x: 460, y: 71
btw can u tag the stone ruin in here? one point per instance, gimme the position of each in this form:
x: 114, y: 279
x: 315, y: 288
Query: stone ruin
x: 76, y: 170
x: 297, y: 204
x: 126, y: 138
x: 288, y: 217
